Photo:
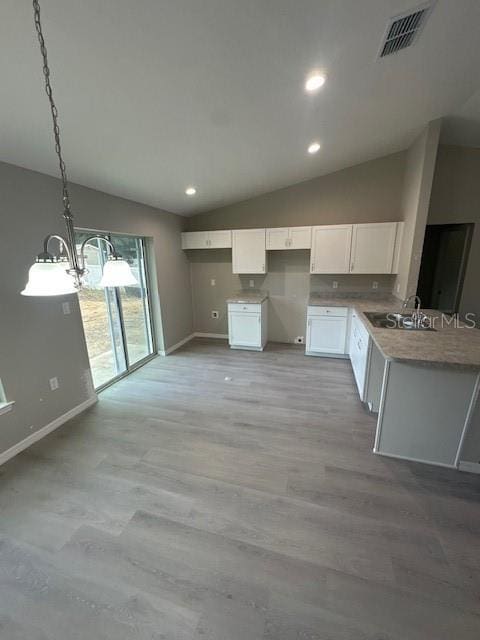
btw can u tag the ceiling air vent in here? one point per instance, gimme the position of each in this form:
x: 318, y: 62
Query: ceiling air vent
x: 402, y: 30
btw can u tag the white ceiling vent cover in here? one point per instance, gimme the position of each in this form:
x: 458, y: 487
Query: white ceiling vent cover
x: 403, y: 30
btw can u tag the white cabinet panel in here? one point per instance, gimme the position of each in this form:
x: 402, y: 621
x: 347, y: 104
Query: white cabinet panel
x: 359, y: 349
x: 248, y: 251
x: 326, y: 334
x: 219, y: 239
x: 289, y: 238
x: 331, y: 249
x: 247, y: 329
x: 206, y: 239
x: 300, y: 237
x: 195, y: 240
x: 277, y: 238
x: 373, y: 247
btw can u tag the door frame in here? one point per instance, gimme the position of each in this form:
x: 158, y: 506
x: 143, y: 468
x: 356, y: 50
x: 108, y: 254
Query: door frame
x: 130, y: 368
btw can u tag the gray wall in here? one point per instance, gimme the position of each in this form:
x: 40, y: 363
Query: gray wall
x: 37, y: 341
x: 369, y: 192
x: 288, y: 282
x: 420, y: 165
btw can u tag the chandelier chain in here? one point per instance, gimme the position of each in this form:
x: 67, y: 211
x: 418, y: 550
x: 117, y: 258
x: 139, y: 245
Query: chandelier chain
x: 53, y: 108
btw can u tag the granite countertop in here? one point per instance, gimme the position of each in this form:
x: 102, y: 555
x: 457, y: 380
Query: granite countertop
x: 248, y: 296
x: 448, y: 346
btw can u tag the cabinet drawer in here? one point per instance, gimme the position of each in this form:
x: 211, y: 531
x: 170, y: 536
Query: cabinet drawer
x: 339, y: 312
x: 247, y: 307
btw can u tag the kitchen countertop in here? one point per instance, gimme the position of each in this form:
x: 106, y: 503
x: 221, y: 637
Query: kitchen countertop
x: 448, y: 346
x: 247, y: 296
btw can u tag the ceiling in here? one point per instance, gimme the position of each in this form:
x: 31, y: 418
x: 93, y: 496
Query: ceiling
x: 157, y: 95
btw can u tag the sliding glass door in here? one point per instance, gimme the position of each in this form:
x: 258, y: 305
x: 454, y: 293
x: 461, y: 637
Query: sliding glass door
x: 117, y: 321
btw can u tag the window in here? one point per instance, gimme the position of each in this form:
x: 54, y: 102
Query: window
x: 117, y: 321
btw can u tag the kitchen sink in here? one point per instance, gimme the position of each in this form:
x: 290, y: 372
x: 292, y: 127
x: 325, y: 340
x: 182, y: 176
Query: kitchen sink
x: 402, y: 321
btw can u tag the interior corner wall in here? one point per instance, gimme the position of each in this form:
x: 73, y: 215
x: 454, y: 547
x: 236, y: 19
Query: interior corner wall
x: 419, y: 171
x: 38, y: 342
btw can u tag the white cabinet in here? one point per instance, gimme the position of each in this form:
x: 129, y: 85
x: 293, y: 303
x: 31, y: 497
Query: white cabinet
x: 373, y: 247
x: 326, y: 330
x: 359, y: 350
x: 289, y: 238
x: 248, y: 251
x: 207, y: 239
x: 331, y: 249
x: 247, y: 326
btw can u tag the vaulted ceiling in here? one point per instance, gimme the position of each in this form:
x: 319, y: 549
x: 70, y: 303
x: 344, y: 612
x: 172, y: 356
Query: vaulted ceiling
x: 157, y: 95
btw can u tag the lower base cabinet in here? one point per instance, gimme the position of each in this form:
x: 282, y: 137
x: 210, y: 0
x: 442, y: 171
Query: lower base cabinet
x: 247, y: 326
x: 326, y: 331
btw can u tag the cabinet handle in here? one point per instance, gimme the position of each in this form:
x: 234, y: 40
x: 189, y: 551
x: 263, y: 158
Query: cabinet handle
x: 313, y: 266
x: 351, y: 266
x: 263, y: 267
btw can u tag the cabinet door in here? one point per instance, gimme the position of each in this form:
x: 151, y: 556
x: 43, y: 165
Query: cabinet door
x: 195, y: 240
x: 326, y: 334
x: 248, y: 254
x: 373, y: 246
x: 277, y: 238
x: 331, y: 249
x: 244, y: 329
x: 219, y: 239
x: 300, y: 238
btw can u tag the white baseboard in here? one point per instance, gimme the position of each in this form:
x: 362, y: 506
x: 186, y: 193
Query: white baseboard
x: 174, y: 347
x: 471, y: 467
x: 41, y: 433
x: 220, y: 336
x: 409, y: 459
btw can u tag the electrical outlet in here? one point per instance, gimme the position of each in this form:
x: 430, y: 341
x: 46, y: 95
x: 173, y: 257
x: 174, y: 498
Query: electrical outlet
x: 374, y: 284
x: 213, y: 282
x: 252, y: 283
x: 299, y: 340
x: 335, y: 284
x: 66, y: 308
x: 398, y: 288
x: 53, y: 382
x: 215, y: 315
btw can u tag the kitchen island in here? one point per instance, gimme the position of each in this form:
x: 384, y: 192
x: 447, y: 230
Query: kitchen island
x: 424, y: 384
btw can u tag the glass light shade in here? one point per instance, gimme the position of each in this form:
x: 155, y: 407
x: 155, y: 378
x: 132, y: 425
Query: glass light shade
x: 117, y: 273
x: 49, y: 279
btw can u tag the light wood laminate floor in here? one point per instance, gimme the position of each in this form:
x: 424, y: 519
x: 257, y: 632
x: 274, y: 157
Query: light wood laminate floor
x: 223, y: 495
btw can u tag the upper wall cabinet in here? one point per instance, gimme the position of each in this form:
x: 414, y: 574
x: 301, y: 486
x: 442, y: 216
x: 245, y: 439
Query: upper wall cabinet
x: 331, y: 249
x: 248, y: 251
x: 289, y: 238
x: 207, y: 240
x: 373, y: 247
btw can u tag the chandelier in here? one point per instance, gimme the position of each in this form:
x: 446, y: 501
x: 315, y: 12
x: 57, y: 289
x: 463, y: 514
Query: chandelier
x: 58, y: 275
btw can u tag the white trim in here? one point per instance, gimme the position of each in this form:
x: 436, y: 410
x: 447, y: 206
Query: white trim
x: 468, y: 420
x: 219, y: 336
x: 471, y: 467
x: 381, y: 408
x: 5, y: 407
x: 394, y: 455
x: 41, y: 433
x: 176, y: 346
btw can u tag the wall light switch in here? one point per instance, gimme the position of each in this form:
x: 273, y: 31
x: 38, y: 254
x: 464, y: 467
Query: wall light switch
x: 53, y: 382
x: 335, y: 284
x: 374, y: 284
x: 66, y: 308
x: 213, y: 282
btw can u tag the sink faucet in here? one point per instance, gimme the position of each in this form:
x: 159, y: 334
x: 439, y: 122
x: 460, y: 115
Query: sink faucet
x: 417, y: 303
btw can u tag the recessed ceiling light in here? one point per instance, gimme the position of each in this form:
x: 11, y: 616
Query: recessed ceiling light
x: 314, y: 82
x: 314, y: 147
x: 190, y: 191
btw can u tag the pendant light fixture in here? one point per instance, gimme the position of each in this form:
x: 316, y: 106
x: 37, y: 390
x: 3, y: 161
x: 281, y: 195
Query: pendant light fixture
x: 53, y: 275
